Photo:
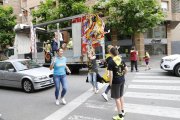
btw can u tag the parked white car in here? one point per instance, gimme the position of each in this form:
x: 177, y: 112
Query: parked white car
x: 25, y: 74
x: 171, y: 63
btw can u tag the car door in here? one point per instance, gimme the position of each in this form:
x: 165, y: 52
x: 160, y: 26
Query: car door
x: 11, y: 78
x: 1, y: 72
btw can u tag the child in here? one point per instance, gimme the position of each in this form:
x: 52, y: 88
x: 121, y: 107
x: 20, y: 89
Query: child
x: 146, y: 59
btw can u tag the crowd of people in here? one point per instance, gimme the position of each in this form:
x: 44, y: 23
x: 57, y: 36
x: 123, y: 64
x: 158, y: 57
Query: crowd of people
x: 116, y: 70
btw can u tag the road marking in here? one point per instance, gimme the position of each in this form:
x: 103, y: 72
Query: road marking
x: 153, y: 96
x: 147, y: 73
x: 68, y: 108
x: 156, y: 81
x: 153, y: 110
x: 79, y: 117
x: 155, y: 77
x: 154, y: 87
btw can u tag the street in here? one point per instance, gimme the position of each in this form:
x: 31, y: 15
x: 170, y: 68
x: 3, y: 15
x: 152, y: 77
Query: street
x: 149, y: 95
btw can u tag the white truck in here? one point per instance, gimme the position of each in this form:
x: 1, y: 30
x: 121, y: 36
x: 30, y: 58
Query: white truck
x: 76, y: 57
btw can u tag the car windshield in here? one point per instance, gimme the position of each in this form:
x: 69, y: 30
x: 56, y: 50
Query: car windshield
x: 25, y: 65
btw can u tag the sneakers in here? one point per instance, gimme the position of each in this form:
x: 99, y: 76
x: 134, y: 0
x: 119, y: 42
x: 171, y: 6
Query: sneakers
x: 117, y: 118
x: 96, y: 91
x: 57, y: 102
x: 63, y: 101
x: 104, y: 95
x: 123, y: 113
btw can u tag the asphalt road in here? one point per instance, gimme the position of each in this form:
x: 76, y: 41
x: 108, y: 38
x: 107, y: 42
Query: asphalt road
x: 149, y: 95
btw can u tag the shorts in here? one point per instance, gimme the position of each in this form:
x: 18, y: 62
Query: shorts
x: 117, y: 90
x: 147, y: 62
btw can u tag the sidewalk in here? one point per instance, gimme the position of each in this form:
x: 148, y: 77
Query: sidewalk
x: 154, y: 61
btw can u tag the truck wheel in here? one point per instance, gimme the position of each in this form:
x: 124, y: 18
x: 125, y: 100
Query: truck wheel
x: 74, y: 70
x: 177, y: 70
x: 27, y: 86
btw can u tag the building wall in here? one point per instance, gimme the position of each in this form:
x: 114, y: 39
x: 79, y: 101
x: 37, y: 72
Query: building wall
x: 16, y: 7
x: 175, y: 32
x: 27, y: 6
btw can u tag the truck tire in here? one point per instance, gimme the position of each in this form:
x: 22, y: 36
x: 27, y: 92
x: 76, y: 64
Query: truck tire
x: 177, y: 70
x: 74, y: 70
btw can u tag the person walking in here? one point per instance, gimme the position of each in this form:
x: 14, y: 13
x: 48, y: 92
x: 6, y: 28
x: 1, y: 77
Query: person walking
x: 92, y: 70
x: 59, y: 75
x: 117, y: 69
x: 133, y: 58
x: 55, y: 44
x: 146, y: 59
x: 108, y: 58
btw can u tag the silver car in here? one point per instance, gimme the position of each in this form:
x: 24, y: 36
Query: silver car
x: 25, y: 74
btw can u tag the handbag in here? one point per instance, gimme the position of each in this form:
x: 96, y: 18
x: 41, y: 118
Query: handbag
x: 106, y: 79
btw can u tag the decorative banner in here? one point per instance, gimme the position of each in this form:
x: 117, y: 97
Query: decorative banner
x: 92, y: 31
x: 33, y: 41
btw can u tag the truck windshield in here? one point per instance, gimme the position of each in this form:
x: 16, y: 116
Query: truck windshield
x: 25, y: 65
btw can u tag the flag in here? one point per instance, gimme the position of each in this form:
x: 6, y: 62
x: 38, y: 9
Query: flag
x: 33, y: 38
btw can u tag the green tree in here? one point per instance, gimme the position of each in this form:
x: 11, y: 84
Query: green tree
x: 51, y: 10
x: 7, y: 23
x: 131, y: 16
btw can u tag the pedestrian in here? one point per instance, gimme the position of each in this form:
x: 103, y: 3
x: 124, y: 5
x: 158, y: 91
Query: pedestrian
x: 133, y: 58
x: 146, y: 59
x: 108, y: 58
x: 59, y: 75
x: 92, y: 70
x: 117, y: 69
x: 55, y: 44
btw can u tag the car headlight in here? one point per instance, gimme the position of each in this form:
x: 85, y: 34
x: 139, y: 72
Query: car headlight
x: 40, y: 78
x: 170, y: 59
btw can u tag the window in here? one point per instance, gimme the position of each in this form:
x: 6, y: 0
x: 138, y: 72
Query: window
x: 5, y: 1
x: 6, y: 66
x: 165, y: 5
x: 158, y: 32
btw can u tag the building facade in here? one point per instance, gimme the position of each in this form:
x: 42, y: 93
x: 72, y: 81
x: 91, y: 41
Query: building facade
x: 163, y: 39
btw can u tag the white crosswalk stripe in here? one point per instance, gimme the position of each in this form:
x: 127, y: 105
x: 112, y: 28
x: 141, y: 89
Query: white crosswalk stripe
x: 157, y: 81
x: 153, y: 81
x: 153, y: 77
x: 155, y: 87
x: 153, y: 96
x: 153, y: 110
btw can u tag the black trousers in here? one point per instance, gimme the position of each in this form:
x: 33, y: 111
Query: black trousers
x: 133, y: 63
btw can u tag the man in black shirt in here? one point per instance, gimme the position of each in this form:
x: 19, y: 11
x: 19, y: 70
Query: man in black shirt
x: 117, y: 69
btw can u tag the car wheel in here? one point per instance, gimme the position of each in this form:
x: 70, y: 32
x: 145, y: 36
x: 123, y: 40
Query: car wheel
x: 27, y: 86
x: 177, y: 70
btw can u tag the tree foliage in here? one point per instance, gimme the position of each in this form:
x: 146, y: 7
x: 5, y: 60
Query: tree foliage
x: 7, y: 23
x: 48, y: 10
x: 132, y: 16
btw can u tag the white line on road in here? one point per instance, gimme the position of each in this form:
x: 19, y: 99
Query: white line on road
x: 153, y: 96
x: 155, y: 77
x: 153, y: 110
x: 155, y: 87
x: 157, y: 81
x: 148, y: 73
x: 65, y: 110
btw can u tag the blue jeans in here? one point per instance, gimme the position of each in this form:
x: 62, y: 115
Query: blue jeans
x: 92, y: 77
x: 57, y: 80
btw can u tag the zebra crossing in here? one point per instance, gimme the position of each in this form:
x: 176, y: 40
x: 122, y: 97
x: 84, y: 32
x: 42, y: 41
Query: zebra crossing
x: 149, y: 95
x: 153, y: 88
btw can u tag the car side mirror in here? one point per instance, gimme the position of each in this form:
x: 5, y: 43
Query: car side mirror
x: 11, y: 70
